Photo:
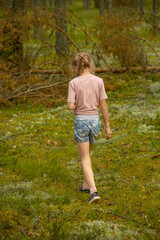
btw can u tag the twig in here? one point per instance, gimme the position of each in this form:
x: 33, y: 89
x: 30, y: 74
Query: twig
x: 34, y: 89
x: 149, y: 44
x: 153, y: 14
x: 116, y: 214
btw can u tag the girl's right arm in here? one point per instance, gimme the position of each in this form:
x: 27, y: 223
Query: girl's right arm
x: 104, y: 111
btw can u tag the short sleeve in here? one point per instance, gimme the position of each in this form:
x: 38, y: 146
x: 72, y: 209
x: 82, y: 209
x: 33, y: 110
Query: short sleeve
x: 71, y: 93
x: 102, y: 94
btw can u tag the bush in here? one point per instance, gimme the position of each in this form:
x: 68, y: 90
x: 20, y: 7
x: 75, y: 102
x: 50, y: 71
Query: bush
x: 118, y: 37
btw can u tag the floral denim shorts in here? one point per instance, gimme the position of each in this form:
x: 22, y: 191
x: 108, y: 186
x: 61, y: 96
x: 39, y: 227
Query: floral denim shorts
x: 86, y: 130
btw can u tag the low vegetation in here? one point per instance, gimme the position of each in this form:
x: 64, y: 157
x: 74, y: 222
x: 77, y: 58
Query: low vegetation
x: 40, y: 169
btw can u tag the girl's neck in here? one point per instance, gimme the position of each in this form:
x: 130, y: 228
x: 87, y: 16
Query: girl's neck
x: 86, y: 72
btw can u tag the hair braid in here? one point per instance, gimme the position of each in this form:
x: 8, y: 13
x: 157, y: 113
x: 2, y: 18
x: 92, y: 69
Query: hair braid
x: 81, y: 61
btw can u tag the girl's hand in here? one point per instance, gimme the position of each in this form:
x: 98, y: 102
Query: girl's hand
x: 108, y: 132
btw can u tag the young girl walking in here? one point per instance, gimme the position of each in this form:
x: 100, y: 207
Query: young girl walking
x: 86, y: 93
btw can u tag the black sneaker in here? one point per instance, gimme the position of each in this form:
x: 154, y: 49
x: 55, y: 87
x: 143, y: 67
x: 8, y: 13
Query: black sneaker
x: 94, y: 198
x: 84, y: 190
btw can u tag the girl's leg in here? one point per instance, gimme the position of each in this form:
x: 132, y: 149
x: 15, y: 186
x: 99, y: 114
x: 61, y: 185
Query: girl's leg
x: 85, y: 185
x: 83, y: 149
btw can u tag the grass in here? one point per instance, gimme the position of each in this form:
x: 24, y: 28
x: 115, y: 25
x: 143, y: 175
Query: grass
x: 40, y: 170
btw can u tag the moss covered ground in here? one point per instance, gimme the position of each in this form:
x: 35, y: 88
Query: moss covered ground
x: 40, y: 170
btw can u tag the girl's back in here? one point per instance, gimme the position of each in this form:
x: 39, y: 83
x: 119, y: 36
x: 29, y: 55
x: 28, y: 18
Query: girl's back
x: 86, y: 92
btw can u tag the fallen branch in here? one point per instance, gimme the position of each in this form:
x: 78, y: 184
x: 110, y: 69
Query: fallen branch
x: 101, y: 70
x: 35, y: 89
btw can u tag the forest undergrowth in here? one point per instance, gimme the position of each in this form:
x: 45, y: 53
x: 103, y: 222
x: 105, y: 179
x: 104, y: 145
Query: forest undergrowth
x: 40, y: 170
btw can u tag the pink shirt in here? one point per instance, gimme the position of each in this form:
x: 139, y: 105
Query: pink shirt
x: 86, y: 92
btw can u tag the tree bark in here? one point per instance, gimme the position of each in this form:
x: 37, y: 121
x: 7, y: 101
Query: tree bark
x: 70, y: 2
x: 37, y: 27
x: 134, y: 3
x: 61, y: 44
x: 109, y: 6
x: 101, y: 8
x: 50, y: 3
x: 84, y: 4
x: 17, y: 44
x: 96, y: 3
x: 141, y: 8
x: 88, y: 5
x: 155, y: 18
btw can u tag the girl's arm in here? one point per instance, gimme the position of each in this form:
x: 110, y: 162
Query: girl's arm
x: 71, y: 106
x: 104, y: 111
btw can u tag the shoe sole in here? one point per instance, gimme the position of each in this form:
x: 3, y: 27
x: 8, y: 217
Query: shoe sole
x: 95, y: 200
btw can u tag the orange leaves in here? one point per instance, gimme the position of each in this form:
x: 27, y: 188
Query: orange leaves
x: 52, y: 142
x: 118, y: 37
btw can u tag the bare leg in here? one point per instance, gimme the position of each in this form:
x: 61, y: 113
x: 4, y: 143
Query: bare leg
x: 83, y: 149
x: 85, y: 185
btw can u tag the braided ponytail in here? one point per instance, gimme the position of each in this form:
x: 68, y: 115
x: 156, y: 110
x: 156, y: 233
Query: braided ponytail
x: 81, y: 61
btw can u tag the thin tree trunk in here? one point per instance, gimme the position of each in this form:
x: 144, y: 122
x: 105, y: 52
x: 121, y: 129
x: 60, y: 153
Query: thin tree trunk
x: 7, y: 4
x: 17, y: 45
x: 37, y: 28
x: 155, y: 18
x: 134, y: 3
x: 88, y: 5
x: 96, y: 3
x: 70, y: 2
x: 101, y: 7
x: 141, y: 8
x: 44, y: 4
x: 50, y: 3
x: 84, y: 4
x: 109, y: 6
x: 61, y: 44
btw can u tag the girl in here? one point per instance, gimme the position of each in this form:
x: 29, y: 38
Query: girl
x: 86, y: 93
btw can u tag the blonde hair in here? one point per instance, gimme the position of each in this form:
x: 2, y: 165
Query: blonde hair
x: 83, y: 60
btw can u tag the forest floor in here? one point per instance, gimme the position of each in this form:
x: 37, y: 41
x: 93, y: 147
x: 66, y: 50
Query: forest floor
x: 40, y: 170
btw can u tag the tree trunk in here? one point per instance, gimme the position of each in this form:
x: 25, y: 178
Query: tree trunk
x: 7, y: 4
x: 134, y: 3
x: 96, y: 3
x: 141, y: 8
x: 101, y: 7
x: 155, y: 18
x: 17, y: 45
x: 50, y: 3
x: 84, y: 4
x: 61, y: 44
x: 44, y: 4
x: 70, y: 2
x: 109, y: 6
x: 37, y: 28
x: 88, y: 5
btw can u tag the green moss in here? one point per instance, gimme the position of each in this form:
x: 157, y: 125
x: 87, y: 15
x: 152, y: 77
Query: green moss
x: 41, y: 170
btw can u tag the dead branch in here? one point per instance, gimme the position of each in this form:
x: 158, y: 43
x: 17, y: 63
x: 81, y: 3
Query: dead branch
x: 29, y: 90
x: 101, y: 70
x: 68, y: 37
x: 149, y: 44
x: 77, y: 25
x: 152, y: 14
x: 153, y: 25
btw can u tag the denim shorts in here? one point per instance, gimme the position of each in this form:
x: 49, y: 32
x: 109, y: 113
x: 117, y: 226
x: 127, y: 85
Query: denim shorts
x: 86, y: 129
